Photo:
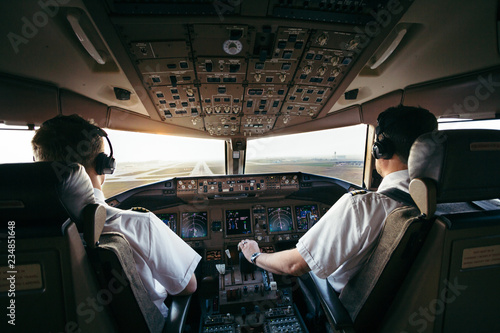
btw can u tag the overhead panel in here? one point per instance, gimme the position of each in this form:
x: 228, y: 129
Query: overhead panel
x: 302, y: 104
x: 222, y: 108
x: 221, y: 53
x: 262, y: 105
x: 221, y: 70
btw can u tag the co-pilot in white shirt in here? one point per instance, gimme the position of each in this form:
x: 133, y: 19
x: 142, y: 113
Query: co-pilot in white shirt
x: 338, y: 245
x: 164, y: 261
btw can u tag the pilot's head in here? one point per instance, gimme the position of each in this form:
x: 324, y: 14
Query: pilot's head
x: 73, y: 139
x: 398, y: 127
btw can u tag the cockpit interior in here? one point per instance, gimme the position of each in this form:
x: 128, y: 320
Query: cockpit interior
x: 239, y: 71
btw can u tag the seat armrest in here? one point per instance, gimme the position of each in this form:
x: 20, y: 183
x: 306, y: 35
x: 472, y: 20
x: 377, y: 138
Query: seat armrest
x: 177, y: 313
x: 94, y: 217
x: 335, y: 311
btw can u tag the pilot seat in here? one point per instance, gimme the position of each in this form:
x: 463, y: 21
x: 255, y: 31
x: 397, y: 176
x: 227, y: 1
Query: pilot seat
x: 436, y: 266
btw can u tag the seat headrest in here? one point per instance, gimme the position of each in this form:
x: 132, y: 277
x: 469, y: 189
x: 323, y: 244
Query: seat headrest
x: 463, y: 164
x: 44, y: 193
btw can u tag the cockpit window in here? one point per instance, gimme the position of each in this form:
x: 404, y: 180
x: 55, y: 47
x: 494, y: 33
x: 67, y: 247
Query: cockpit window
x: 446, y: 124
x: 337, y: 152
x: 148, y: 158
x: 15, y: 144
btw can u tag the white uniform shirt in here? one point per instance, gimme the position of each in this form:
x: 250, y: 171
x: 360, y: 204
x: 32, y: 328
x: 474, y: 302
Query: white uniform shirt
x: 164, y: 261
x: 338, y: 245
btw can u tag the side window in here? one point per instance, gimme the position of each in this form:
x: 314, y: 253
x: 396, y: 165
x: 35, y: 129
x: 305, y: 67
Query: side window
x: 15, y: 144
x: 447, y: 124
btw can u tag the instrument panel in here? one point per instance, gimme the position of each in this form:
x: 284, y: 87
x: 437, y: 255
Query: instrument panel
x: 276, y: 221
x: 211, y: 212
x: 223, y: 185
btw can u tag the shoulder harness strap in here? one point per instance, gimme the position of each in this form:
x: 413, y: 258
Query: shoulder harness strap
x: 399, y: 195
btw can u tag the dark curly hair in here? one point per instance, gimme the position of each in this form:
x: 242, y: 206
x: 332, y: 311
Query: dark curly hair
x: 68, y: 139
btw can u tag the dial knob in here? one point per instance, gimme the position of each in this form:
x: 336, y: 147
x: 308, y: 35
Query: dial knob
x: 322, y: 39
x: 335, y: 72
x: 334, y: 60
x: 232, y: 47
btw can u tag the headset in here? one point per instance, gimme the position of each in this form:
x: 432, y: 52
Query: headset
x: 105, y: 164
x: 383, y: 147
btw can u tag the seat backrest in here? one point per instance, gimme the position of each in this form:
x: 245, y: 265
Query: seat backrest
x: 41, y: 252
x: 113, y: 260
x: 456, y: 273
x: 368, y: 295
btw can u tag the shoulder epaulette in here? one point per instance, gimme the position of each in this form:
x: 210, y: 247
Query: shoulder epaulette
x: 353, y: 193
x: 139, y: 209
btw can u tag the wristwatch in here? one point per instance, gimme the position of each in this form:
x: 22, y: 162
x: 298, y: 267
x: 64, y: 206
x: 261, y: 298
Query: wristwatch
x: 254, y: 256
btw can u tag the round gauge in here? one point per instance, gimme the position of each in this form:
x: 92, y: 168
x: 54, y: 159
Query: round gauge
x: 194, y: 225
x: 280, y: 219
x: 232, y: 47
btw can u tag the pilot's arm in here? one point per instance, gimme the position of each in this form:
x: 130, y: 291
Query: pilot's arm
x: 190, y: 288
x: 283, y: 262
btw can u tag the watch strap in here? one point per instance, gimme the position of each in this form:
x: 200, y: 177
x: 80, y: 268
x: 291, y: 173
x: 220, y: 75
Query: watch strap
x: 254, y: 256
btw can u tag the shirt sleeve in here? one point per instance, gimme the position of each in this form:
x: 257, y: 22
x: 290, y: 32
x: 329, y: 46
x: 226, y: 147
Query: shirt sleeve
x: 171, y: 260
x: 333, y: 239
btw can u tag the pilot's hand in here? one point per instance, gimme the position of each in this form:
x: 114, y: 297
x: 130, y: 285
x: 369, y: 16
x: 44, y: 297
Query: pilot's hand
x: 248, y: 247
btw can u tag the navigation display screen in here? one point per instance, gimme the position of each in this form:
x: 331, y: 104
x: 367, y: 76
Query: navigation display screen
x: 194, y: 225
x: 307, y: 216
x: 238, y: 222
x: 169, y: 219
x: 280, y: 219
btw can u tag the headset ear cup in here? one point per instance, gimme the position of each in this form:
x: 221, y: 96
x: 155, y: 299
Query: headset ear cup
x: 383, y: 149
x: 100, y: 163
x: 376, y: 150
x: 104, y: 164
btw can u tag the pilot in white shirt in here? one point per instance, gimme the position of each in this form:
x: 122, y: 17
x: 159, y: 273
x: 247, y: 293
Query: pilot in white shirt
x: 164, y: 261
x: 342, y: 240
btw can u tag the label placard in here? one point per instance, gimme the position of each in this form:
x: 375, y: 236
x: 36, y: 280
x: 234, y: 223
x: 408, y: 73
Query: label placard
x: 481, y: 256
x: 485, y: 146
x: 27, y: 277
